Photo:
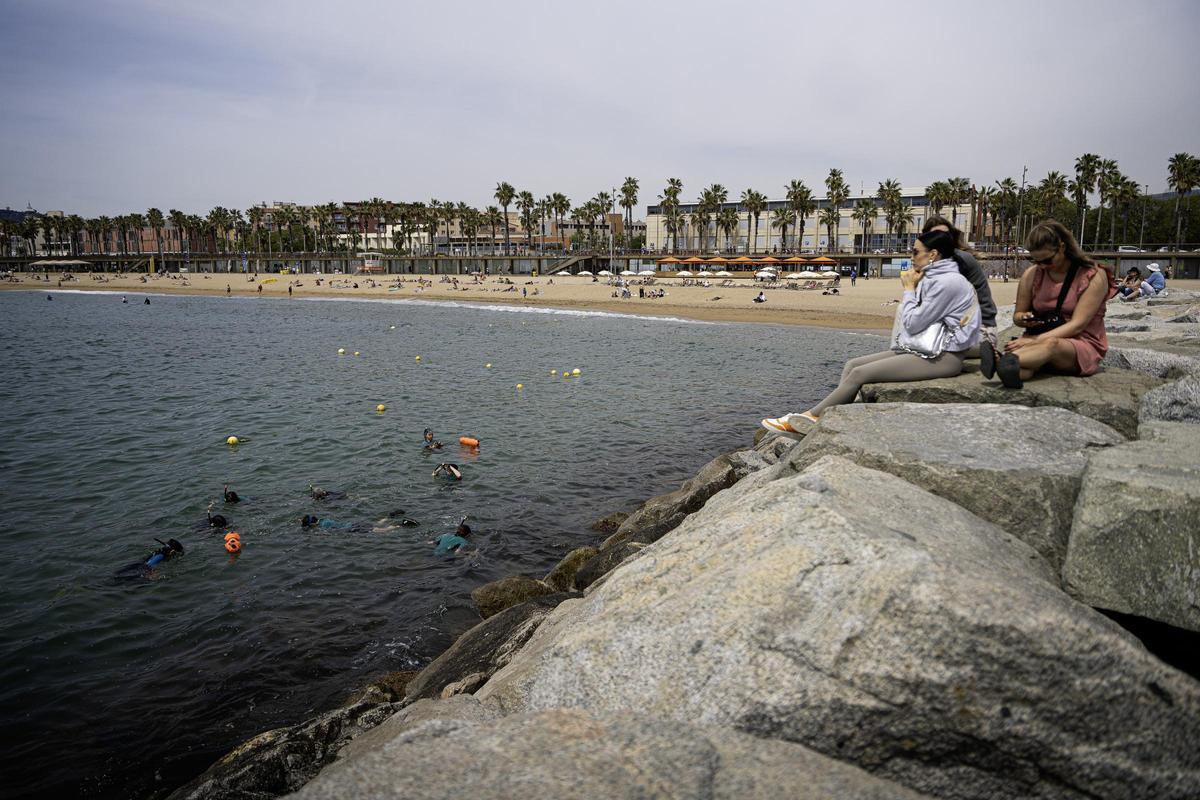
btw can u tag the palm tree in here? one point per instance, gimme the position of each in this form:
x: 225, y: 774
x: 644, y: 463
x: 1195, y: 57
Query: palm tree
x: 958, y: 192
x: 864, y: 214
x: 1052, y: 191
x: 1006, y: 205
x: 155, y: 218
x: 1086, y: 166
x: 629, y: 198
x: 504, y: 195
x: 985, y: 197
x: 561, y: 206
x: 829, y: 217
x: 699, y: 221
x: 755, y: 203
x: 1105, y: 171
x: 782, y: 219
x: 801, y: 203
x: 449, y: 214
x: 937, y: 195
x: 838, y: 191
x: 728, y: 220
x: 1183, y: 174
x: 526, y: 205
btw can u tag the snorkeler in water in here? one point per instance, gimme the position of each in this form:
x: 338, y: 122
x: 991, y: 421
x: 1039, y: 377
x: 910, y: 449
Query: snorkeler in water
x: 317, y: 493
x: 216, y: 520
x: 453, y: 542
x: 312, y: 521
x: 231, y: 497
x: 448, y: 471
x: 430, y: 444
x: 142, y: 569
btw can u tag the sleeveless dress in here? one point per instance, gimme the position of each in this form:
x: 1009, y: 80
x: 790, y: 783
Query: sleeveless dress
x: 1091, y: 343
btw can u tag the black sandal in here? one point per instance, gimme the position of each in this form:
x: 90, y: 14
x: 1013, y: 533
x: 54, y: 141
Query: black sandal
x: 987, y: 359
x: 1009, y: 370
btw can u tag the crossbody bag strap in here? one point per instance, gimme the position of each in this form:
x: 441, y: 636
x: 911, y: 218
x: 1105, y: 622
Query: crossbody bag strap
x: 1066, y: 287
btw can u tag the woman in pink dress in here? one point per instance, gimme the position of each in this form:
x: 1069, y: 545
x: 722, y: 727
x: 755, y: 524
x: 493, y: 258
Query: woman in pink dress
x: 1066, y: 341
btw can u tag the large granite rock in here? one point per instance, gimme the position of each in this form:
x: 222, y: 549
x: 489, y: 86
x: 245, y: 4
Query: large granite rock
x: 1158, y: 363
x: 1135, y: 542
x: 568, y: 753
x: 283, y: 760
x: 1016, y: 467
x: 494, y: 597
x: 849, y: 611
x: 1174, y: 402
x: 1111, y: 396
x: 485, y: 648
x: 664, y: 512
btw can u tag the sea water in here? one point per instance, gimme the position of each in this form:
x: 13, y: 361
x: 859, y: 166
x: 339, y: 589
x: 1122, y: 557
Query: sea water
x: 115, y: 421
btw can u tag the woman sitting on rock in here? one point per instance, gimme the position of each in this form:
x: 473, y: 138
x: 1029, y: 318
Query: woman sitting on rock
x: 936, y: 295
x: 1060, y: 304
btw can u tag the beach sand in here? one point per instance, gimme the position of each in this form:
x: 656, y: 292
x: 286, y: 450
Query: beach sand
x: 860, y: 307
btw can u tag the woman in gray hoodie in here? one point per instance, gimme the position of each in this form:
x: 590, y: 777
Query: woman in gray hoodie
x: 935, y: 294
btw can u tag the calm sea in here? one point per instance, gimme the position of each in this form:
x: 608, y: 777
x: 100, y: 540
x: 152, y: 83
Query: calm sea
x: 115, y: 417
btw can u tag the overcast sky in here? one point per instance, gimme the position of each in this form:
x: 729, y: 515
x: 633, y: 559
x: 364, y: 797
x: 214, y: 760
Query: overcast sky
x: 112, y: 107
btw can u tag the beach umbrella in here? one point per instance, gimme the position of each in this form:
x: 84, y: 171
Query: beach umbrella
x: 647, y: 272
x: 693, y: 260
x: 809, y: 274
x: 823, y: 260
x: 764, y: 274
x: 722, y: 274
x: 604, y: 273
x: 584, y: 272
x: 791, y: 275
x: 683, y: 273
x: 668, y: 260
x: 830, y: 274
x: 564, y: 272
x: 628, y: 272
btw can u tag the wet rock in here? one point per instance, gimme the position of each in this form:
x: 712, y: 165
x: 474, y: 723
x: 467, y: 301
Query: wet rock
x: 467, y: 685
x: 485, y: 648
x: 494, y: 597
x: 1017, y: 467
x: 388, y: 688
x: 562, y: 577
x: 1135, y: 541
x: 605, y: 561
x: 609, y: 523
x: 849, y: 611
x: 664, y: 512
x: 568, y: 753
x: 1110, y: 396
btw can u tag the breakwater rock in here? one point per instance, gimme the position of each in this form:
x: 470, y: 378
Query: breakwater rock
x: 903, y: 604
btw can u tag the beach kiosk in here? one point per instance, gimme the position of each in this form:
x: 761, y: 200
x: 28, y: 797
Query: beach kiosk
x: 372, y: 264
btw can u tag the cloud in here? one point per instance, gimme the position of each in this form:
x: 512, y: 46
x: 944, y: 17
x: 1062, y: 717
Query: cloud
x: 114, y: 107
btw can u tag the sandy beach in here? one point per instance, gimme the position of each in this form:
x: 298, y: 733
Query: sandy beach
x: 866, y: 306
x: 861, y: 307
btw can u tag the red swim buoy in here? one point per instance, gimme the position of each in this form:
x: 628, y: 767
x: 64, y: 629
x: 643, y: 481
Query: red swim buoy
x: 468, y: 441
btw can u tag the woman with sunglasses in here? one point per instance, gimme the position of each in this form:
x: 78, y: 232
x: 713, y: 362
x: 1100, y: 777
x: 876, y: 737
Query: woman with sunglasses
x: 1060, y: 303
x: 935, y: 294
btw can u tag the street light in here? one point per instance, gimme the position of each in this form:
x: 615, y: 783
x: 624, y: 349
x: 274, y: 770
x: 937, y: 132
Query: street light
x: 1145, y: 197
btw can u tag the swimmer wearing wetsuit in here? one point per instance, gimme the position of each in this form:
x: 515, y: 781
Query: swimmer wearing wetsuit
x: 310, y: 521
x: 141, y: 569
x: 231, y: 497
x: 448, y: 471
x: 453, y: 542
x: 216, y: 520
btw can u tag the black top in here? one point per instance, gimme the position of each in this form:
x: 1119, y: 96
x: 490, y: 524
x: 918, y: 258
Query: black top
x: 969, y: 268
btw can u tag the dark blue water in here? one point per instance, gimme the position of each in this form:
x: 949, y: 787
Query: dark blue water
x: 115, y: 418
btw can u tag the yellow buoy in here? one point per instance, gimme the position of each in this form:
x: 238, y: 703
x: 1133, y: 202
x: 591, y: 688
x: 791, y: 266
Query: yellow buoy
x: 341, y: 351
x: 566, y: 374
x: 231, y: 440
x: 520, y: 386
x: 553, y: 372
x: 487, y: 366
x: 355, y: 352
x: 381, y: 408
x: 392, y: 328
x: 573, y: 372
x: 418, y: 358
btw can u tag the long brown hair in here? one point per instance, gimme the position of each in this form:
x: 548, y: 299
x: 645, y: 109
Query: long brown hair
x: 960, y: 238
x: 1049, y: 234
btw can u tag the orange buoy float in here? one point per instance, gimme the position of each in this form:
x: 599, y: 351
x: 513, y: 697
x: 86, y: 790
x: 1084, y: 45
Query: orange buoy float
x: 468, y: 441
x: 233, y: 542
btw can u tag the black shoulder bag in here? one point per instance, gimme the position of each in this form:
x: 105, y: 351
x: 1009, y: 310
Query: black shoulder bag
x: 1050, y: 321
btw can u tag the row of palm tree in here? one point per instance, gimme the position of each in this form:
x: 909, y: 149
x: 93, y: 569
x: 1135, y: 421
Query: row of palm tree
x: 998, y: 213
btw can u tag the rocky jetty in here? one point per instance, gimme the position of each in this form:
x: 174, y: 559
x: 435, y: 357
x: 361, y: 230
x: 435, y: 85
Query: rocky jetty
x: 907, y: 603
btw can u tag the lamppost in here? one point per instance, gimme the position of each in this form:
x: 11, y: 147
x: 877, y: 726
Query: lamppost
x: 1145, y: 197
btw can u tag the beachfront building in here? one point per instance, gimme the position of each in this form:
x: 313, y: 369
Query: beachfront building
x: 812, y: 237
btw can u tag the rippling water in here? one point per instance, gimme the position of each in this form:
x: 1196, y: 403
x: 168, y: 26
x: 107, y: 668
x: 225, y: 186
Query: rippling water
x: 115, y: 421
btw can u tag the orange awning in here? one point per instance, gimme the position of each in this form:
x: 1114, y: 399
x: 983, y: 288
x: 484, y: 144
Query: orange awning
x: 795, y: 260
x: 768, y: 260
x: 824, y: 260
x: 742, y: 260
x: 668, y: 260
x: 693, y: 260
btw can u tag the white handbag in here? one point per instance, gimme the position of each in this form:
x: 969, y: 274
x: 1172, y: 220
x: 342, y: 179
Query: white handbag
x: 929, y: 343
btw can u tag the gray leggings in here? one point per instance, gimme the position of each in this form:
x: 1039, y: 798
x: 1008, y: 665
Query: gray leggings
x: 888, y: 367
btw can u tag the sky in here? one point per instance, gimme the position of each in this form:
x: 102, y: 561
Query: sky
x: 113, y: 107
